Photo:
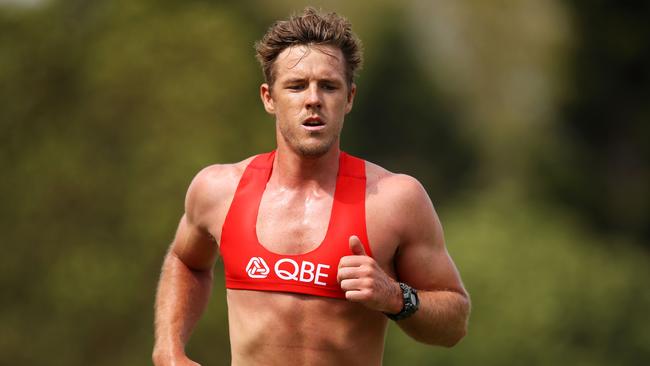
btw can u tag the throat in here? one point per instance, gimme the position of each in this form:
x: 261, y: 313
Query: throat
x: 295, y: 171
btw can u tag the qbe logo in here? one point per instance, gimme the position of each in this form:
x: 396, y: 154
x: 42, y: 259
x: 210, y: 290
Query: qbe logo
x: 257, y: 268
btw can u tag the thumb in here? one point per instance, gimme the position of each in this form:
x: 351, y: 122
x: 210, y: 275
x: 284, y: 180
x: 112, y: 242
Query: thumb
x: 356, y: 246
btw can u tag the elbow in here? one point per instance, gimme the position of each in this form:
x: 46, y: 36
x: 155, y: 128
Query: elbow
x: 460, y: 330
x: 454, y: 331
x: 453, y: 338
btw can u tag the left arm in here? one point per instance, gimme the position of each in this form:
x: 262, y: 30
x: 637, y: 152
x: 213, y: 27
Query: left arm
x: 422, y: 262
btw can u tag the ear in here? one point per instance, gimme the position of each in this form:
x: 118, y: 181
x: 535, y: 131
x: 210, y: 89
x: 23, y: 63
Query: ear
x: 351, y: 94
x: 267, y: 99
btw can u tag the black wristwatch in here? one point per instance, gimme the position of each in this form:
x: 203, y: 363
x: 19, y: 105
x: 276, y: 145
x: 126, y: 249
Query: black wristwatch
x: 411, y: 302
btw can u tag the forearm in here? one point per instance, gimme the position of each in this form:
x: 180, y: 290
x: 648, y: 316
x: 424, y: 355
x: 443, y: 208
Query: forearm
x: 181, y: 299
x: 441, y: 318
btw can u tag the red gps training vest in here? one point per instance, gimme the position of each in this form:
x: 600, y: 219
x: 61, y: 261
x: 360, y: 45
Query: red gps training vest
x: 250, y: 266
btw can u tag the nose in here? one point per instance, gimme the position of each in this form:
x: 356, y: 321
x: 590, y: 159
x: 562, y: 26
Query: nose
x: 313, y: 97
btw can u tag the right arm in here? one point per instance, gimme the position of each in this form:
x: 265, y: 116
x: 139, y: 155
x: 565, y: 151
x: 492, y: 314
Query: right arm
x: 185, y: 281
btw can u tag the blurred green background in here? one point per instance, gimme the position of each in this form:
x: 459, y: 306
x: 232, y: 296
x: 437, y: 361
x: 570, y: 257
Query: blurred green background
x: 527, y: 121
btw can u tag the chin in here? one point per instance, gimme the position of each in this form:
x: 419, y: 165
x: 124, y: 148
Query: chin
x: 313, y: 146
x: 313, y: 150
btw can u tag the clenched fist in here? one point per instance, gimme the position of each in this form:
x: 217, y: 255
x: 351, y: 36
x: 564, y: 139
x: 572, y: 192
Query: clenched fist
x: 365, y: 282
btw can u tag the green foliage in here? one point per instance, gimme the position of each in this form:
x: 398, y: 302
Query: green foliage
x: 402, y: 122
x: 605, y: 150
x: 107, y: 121
x: 108, y: 108
x: 544, y: 292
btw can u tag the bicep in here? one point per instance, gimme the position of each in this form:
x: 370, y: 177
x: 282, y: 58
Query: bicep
x: 422, y: 259
x: 428, y: 266
x: 194, y: 246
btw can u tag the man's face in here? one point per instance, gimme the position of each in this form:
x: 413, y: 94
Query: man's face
x: 309, y: 98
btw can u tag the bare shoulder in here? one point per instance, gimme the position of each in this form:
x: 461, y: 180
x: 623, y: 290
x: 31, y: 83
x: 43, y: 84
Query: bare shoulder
x: 400, y: 202
x: 212, y: 188
x: 394, y: 188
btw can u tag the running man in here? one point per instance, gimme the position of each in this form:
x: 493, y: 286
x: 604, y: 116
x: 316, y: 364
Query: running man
x: 320, y: 249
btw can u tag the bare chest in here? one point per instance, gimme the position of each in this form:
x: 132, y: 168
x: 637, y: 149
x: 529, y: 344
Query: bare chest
x: 297, y: 224
x: 293, y: 222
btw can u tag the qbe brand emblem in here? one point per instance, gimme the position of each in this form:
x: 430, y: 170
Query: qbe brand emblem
x: 288, y: 269
x: 257, y: 268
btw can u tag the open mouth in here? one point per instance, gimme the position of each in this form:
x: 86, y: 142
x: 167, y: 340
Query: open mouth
x: 313, y: 123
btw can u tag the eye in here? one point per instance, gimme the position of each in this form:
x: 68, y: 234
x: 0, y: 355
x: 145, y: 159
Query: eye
x: 295, y: 87
x: 329, y: 87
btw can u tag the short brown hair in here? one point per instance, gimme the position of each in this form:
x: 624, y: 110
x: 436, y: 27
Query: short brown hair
x: 312, y: 27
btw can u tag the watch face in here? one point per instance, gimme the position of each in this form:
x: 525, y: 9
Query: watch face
x: 411, y: 302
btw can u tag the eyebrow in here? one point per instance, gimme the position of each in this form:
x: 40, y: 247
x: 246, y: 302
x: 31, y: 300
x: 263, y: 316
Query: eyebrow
x: 300, y: 80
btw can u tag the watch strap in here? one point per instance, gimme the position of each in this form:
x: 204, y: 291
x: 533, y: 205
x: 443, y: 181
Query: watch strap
x: 411, y: 302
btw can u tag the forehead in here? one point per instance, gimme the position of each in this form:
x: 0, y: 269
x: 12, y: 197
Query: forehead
x: 315, y: 61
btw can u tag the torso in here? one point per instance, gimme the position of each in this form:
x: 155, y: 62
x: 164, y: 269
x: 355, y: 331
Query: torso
x: 278, y: 328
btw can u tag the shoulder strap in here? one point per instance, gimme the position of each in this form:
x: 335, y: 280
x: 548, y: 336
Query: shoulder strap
x: 242, y: 214
x: 350, y: 199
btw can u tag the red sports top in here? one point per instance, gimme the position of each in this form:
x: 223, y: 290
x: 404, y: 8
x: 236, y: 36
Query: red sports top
x: 249, y: 265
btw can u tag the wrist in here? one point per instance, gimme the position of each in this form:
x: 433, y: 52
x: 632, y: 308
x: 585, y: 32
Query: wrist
x: 397, y: 299
x: 163, y: 355
x: 410, y: 301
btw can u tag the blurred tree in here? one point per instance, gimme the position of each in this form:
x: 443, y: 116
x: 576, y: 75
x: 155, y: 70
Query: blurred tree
x: 107, y: 109
x: 603, y: 167
x: 544, y: 291
x: 503, y: 66
x: 401, y: 121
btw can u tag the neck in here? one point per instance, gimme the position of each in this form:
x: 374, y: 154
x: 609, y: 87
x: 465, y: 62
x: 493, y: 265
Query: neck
x: 291, y: 170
